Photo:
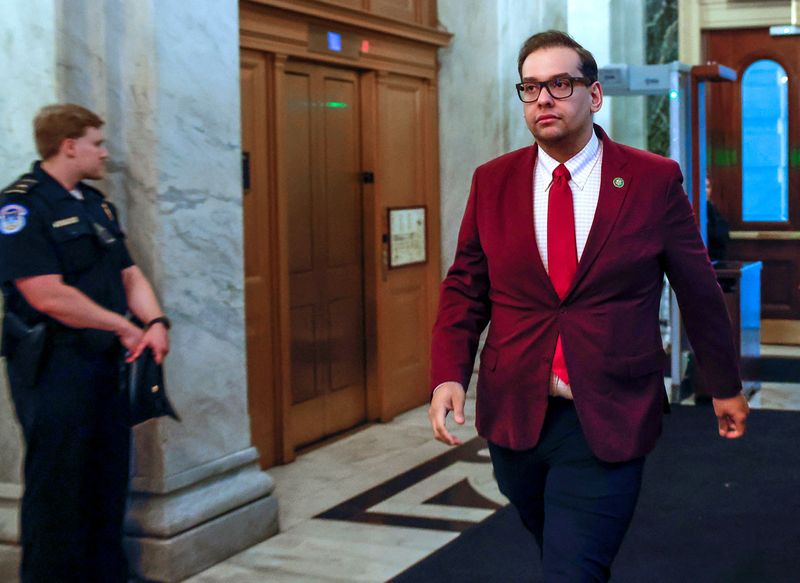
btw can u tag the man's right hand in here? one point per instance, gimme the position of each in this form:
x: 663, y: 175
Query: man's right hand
x: 447, y: 397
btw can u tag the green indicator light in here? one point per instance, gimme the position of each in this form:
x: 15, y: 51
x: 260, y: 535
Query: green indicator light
x: 335, y: 104
x: 673, y: 94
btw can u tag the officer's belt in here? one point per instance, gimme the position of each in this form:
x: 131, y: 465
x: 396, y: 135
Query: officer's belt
x: 64, y: 335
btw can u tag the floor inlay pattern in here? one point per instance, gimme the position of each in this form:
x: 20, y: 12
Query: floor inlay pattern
x: 450, y: 492
x: 367, y: 507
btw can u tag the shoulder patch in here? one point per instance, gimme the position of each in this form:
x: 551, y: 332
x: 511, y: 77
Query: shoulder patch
x: 12, y: 218
x: 22, y: 185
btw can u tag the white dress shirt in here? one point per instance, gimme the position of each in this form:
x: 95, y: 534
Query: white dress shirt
x: 584, y: 169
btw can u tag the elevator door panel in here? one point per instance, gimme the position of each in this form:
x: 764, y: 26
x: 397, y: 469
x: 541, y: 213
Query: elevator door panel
x: 322, y: 165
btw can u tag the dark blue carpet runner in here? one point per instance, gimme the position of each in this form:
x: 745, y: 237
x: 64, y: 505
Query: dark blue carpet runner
x: 711, y: 511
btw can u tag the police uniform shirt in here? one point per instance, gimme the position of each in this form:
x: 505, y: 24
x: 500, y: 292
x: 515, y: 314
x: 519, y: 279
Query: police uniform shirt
x: 44, y: 230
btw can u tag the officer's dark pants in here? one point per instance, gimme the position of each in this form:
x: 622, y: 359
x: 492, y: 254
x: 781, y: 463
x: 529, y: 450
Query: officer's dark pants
x: 577, y: 507
x: 76, y: 469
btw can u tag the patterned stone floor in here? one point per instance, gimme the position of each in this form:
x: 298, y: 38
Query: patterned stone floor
x: 368, y: 506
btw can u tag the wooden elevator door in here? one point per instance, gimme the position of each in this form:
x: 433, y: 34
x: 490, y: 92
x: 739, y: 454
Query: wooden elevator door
x: 321, y: 153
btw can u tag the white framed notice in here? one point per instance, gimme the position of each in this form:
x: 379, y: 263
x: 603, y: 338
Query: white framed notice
x: 407, y: 236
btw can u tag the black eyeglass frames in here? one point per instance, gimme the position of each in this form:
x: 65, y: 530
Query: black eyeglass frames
x: 558, y: 88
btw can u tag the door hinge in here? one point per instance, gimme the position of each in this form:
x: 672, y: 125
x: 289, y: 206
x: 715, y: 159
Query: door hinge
x: 367, y: 178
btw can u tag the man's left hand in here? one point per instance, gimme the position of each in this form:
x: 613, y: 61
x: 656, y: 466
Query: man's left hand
x: 731, y: 415
x: 157, y: 339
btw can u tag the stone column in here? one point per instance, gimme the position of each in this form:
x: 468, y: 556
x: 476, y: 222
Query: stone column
x: 28, y: 57
x: 165, y: 77
x: 171, y: 72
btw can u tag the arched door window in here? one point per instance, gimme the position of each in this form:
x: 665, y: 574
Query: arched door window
x: 765, y: 143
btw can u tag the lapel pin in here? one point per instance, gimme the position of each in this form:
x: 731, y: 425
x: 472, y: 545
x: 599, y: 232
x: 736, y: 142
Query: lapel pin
x: 619, y: 182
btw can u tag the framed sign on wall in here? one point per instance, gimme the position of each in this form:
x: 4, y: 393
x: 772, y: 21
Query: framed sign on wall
x: 407, y: 236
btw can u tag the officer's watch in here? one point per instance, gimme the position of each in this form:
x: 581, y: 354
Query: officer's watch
x: 160, y: 320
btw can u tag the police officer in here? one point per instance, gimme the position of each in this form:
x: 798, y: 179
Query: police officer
x: 64, y: 267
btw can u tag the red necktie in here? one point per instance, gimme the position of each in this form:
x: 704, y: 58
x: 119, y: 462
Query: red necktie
x: 562, y: 254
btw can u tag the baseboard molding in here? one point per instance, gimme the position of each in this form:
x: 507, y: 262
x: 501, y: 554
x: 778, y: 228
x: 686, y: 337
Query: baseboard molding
x: 10, y: 556
x: 177, y: 558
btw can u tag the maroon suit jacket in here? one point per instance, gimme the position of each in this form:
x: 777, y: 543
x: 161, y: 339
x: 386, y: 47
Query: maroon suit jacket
x: 643, y: 227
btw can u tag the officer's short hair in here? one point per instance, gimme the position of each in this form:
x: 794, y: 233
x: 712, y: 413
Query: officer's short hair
x: 56, y: 123
x: 556, y: 38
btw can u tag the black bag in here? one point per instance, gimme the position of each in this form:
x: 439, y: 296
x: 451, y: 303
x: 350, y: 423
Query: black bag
x: 143, y: 384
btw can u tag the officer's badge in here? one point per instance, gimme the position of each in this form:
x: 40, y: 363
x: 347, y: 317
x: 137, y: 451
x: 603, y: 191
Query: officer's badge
x: 107, y: 210
x: 12, y: 218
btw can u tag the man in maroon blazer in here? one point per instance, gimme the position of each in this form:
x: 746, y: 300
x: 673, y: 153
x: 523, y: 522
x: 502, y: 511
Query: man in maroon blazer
x: 563, y: 247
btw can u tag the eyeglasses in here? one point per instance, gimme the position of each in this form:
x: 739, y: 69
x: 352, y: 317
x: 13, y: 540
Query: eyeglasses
x: 558, y: 88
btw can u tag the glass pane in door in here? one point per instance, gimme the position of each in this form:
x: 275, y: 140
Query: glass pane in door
x: 765, y: 142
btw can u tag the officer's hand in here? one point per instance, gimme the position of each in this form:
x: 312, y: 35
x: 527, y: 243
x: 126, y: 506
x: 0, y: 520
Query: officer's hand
x: 157, y: 339
x: 448, y: 397
x: 130, y: 336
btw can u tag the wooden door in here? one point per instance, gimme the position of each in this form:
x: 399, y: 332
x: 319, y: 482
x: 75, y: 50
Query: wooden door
x: 773, y: 239
x: 321, y: 165
x: 401, y: 148
x: 260, y: 230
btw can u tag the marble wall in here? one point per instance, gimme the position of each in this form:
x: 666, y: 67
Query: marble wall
x: 29, y: 73
x: 30, y: 77
x: 167, y: 77
x: 172, y: 125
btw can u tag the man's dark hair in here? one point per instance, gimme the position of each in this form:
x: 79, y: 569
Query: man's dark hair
x: 555, y: 38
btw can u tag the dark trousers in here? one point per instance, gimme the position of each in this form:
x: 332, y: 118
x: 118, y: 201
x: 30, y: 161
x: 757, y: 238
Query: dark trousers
x: 76, y: 469
x: 577, y: 507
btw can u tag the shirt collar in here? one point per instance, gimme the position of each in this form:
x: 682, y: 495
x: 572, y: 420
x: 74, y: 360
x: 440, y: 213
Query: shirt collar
x: 53, y: 187
x: 580, y: 165
x: 50, y: 185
